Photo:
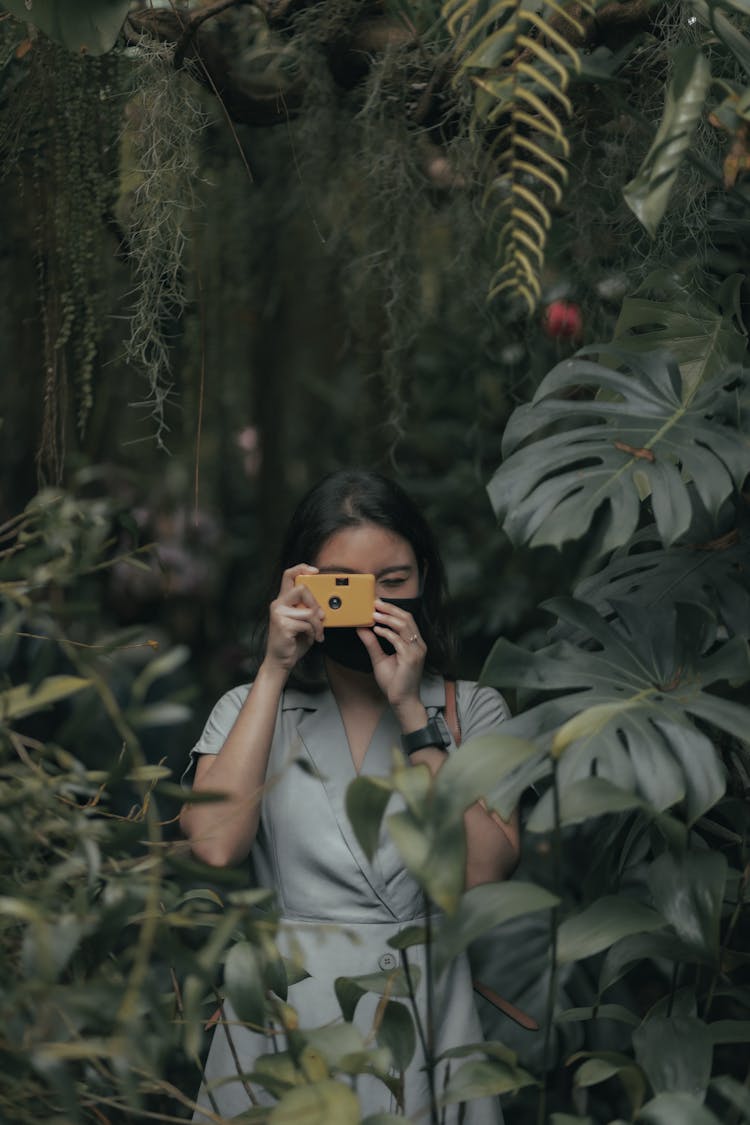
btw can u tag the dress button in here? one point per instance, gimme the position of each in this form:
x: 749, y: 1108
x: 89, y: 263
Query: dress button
x: 388, y: 961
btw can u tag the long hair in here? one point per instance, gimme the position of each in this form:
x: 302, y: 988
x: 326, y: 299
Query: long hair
x: 349, y: 498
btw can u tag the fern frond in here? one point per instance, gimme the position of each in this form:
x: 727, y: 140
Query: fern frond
x: 519, y: 64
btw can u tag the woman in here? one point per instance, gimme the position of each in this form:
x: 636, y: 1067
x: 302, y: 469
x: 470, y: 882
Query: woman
x: 340, y: 700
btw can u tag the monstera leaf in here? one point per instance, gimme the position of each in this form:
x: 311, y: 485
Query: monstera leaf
x: 705, y: 336
x: 648, y: 194
x: 84, y: 26
x: 625, y: 706
x: 712, y: 571
x: 569, y: 459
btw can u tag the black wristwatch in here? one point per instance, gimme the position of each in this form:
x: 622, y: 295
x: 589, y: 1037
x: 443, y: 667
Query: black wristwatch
x: 429, y: 735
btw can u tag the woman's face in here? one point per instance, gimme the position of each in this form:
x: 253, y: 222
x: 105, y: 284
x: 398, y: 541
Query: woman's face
x: 369, y: 549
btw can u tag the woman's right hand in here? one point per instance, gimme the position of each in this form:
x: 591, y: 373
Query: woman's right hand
x: 295, y: 621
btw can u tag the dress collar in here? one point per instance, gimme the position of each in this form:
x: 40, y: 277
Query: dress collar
x: 431, y: 692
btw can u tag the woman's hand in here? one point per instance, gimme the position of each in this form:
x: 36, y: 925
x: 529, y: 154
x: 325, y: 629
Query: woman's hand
x: 295, y: 621
x: 398, y: 676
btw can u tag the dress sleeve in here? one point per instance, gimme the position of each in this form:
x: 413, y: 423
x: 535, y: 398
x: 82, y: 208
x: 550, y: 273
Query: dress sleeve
x: 481, y: 709
x: 220, y: 722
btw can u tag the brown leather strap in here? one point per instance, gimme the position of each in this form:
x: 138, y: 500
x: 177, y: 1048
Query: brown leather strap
x: 451, y: 711
x: 505, y: 1006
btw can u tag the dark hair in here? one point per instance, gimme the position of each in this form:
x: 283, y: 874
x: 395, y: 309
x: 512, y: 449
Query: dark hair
x: 348, y: 498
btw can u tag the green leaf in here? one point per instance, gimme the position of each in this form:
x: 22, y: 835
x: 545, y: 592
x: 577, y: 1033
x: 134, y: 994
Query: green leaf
x: 657, y: 660
x: 483, y: 907
x: 162, y: 665
x: 435, y: 854
x: 243, y: 983
x: 410, y: 935
x: 651, y: 574
x: 603, y: 1065
x: 483, y: 1078
x: 600, y: 1012
x: 582, y: 800
x: 476, y: 769
x: 163, y: 714
x: 730, y: 1031
x: 690, y: 891
x: 350, y: 990
x: 729, y: 34
x: 602, y: 924
x: 83, y: 26
x: 366, y: 802
x: 676, y: 1052
x: 568, y: 458
x: 17, y: 702
x: 735, y: 1092
x: 396, y: 1033
x: 323, y: 1103
x: 631, y: 950
x: 666, y: 1109
x: 648, y: 194
x: 704, y: 336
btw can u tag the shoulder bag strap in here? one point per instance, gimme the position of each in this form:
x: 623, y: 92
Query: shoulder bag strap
x: 451, y: 711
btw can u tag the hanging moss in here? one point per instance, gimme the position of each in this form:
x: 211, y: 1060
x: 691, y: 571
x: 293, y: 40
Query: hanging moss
x: 163, y: 122
x: 59, y: 127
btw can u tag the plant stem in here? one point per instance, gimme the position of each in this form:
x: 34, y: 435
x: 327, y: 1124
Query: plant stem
x: 426, y: 1049
x: 553, y: 923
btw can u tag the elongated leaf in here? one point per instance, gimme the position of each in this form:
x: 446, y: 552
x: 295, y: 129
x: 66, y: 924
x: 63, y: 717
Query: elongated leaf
x: 649, y: 667
x: 676, y: 1053
x: 350, y: 990
x: 434, y: 853
x: 483, y: 1078
x: 582, y: 800
x: 601, y: 925
x: 689, y: 891
x: 476, y: 769
x: 396, y: 1032
x: 608, y: 1064
x: 600, y: 1012
x: 730, y: 35
x: 366, y: 802
x: 244, y: 983
x: 83, y: 26
x: 483, y: 907
x: 632, y: 950
x: 19, y: 701
x: 323, y: 1103
x: 666, y: 1109
x: 648, y: 194
x: 604, y: 455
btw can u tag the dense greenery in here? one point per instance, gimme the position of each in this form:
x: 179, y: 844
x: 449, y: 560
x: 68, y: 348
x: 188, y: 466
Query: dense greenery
x: 265, y: 169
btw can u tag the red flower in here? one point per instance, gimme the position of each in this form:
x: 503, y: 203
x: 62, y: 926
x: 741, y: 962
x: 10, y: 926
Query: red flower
x: 562, y: 321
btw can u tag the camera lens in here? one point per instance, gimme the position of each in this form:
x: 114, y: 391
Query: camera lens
x: 334, y: 602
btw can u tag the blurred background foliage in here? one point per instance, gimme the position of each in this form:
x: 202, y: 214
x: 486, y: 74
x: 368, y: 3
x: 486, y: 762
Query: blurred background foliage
x: 244, y: 243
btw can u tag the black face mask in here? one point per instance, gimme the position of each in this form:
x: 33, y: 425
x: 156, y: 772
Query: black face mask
x: 344, y: 646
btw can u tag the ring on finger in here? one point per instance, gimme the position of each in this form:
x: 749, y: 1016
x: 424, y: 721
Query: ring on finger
x: 413, y: 638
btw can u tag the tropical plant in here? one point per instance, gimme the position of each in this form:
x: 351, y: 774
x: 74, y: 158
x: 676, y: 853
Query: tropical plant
x: 639, y: 706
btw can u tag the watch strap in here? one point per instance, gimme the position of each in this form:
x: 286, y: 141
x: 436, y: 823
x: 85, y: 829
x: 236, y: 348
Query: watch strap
x: 428, y: 735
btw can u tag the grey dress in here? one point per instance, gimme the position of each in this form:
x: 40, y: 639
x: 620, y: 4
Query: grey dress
x: 338, y: 909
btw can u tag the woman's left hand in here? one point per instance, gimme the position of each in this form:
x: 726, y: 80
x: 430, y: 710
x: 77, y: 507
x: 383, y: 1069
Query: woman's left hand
x: 398, y: 676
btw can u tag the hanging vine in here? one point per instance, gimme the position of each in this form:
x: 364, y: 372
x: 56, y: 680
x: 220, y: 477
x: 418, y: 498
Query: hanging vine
x: 59, y: 130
